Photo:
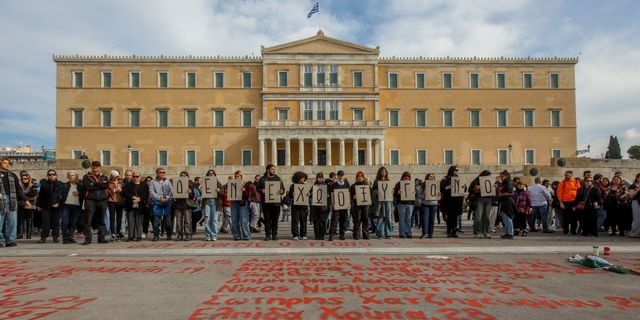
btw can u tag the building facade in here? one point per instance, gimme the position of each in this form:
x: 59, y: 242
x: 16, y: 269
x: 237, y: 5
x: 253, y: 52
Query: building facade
x: 315, y: 101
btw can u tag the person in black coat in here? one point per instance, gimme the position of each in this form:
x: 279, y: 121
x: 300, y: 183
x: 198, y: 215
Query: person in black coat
x: 338, y: 216
x: 49, y: 201
x: 592, y: 198
x: 452, y: 205
x: 136, y: 196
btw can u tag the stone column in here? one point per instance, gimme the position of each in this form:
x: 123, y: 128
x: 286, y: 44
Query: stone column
x: 376, y: 152
x: 301, y: 152
x: 369, y: 152
x: 261, y: 145
x: 287, y: 152
x: 354, y: 161
x: 314, y: 151
x: 328, y: 149
x: 381, y: 150
x: 342, y: 153
x: 274, y: 151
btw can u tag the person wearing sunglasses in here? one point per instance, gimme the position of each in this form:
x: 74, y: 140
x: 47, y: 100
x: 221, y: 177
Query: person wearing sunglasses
x: 49, y: 201
x: 27, y: 208
x: 589, y: 200
x: 95, y: 185
x: 136, y: 195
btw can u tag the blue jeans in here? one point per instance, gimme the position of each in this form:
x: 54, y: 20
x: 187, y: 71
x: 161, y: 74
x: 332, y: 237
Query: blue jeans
x: 10, y: 218
x: 541, y: 212
x: 602, y: 216
x: 383, y: 220
x: 210, y: 218
x: 404, y: 215
x: 508, y: 224
x: 428, y: 217
x: 70, y: 216
x: 240, y: 220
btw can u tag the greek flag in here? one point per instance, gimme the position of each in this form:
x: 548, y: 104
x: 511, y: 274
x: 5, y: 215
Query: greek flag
x: 315, y: 9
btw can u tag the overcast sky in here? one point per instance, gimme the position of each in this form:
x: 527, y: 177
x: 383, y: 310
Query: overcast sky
x: 605, y: 35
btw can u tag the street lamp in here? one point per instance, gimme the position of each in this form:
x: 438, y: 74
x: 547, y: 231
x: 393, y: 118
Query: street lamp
x: 582, y: 151
x: 509, y: 156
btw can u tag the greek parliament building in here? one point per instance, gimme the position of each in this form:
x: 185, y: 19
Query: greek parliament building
x: 315, y: 101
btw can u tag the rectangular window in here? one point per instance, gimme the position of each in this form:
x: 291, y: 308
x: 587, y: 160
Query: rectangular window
x: 246, y: 118
x: 394, y: 157
x: 163, y: 118
x: 529, y: 117
x: 218, y: 118
x: 447, y: 118
x: 163, y: 158
x: 420, y: 80
x: 502, y: 156
x: 77, y: 79
x: 218, y: 158
x: 308, y: 110
x: 394, y: 118
x: 448, y: 156
x: 77, y: 154
x: 358, y: 114
x: 474, y: 118
x: 246, y: 79
x: 282, y: 78
x: 105, y: 157
x: 320, y: 73
x: 475, y: 157
x: 191, y: 79
x: 554, y: 80
x: 321, y: 110
x: 106, y: 118
x: 421, y: 118
x: 134, y: 157
x: 555, y: 153
x: 357, y: 79
x: 308, y: 75
x: 77, y: 118
x: 134, y: 118
x: 334, y: 113
x: 555, y: 118
x: 106, y: 79
x: 190, y: 158
x: 421, y: 157
x: 163, y: 80
x: 447, y: 80
x: 501, y: 118
x: 474, y: 80
x: 529, y: 156
x: 527, y: 80
x: 283, y: 114
x: 134, y: 79
x: 246, y: 157
x: 333, y: 75
x: 190, y: 118
x: 219, y: 79
x: 393, y: 80
x: 501, y: 80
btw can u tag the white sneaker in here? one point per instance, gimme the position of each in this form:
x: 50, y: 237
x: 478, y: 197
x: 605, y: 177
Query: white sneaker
x: 304, y: 238
x: 295, y: 238
x: 214, y: 239
x: 144, y: 236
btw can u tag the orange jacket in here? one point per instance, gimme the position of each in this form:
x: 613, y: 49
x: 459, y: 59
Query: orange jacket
x: 568, y: 190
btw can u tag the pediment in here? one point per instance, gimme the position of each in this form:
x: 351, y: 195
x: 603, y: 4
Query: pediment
x: 319, y: 44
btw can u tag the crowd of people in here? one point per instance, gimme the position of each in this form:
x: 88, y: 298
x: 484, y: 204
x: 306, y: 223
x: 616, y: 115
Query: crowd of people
x: 123, y: 208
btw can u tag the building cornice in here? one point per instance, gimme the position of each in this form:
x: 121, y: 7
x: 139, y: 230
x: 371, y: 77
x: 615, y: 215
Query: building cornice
x: 477, y: 60
x: 155, y: 59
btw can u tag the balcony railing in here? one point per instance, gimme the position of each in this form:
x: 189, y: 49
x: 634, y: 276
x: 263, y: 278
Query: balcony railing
x: 319, y: 123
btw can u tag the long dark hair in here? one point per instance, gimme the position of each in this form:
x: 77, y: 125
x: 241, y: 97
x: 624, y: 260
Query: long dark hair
x: 297, y: 176
x: 379, y: 174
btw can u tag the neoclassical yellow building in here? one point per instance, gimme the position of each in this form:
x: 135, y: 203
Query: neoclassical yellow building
x: 315, y: 101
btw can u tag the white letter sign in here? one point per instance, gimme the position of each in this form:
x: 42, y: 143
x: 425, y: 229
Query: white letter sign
x: 301, y: 194
x: 487, y: 188
x: 181, y: 188
x: 209, y: 187
x: 319, y: 195
x: 234, y: 190
x: 385, y: 191
x: 363, y: 195
x: 272, y: 192
x: 341, y: 199
x: 431, y: 190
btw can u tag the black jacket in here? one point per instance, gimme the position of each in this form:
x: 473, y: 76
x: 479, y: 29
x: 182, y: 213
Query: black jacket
x: 50, y: 193
x: 95, y: 187
x: 67, y: 188
x: 592, y: 197
x: 136, y: 190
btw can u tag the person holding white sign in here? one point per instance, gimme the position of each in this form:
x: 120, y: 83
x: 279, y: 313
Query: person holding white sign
x: 429, y: 194
x: 271, y: 211
x: 210, y: 207
x: 481, y: 193
x: 382, y: 194
x: 452, y: 206
x: 183, y: 207
x: 405, y: 194
x: 361, y: 200
x: 319, y: 206
x: 339, y: 216
x: 240, y: 212
x: 299, y: 206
